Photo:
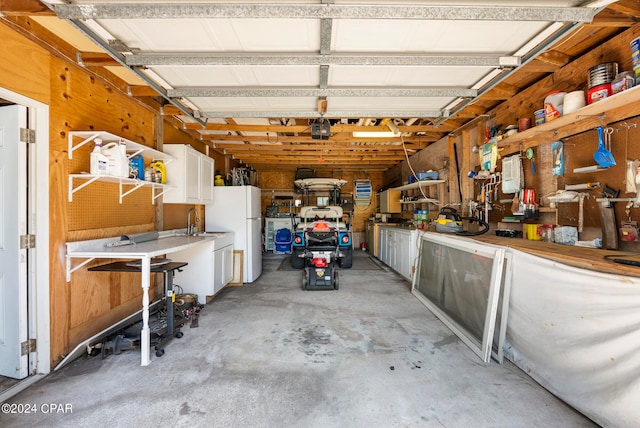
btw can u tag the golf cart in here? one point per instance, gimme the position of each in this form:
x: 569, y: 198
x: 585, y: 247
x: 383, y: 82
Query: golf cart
x: 321, y: 240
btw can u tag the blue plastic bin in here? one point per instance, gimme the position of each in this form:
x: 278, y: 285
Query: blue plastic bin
x: 283, y: 241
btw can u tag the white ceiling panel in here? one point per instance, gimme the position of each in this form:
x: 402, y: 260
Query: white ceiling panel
x: 387, y: 103
x: 239, y: 75
x: 368, y: 35
x: 405, y: 76
x: 276, y: 104
x: 217, y: 35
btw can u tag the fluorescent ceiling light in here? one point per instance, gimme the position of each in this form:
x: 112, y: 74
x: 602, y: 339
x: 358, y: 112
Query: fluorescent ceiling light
x: 531, y: 44
x: 488, y: 78
x: 600, y: 3
x: 156, y: 78
x: 99, y: 30
x: 393, y: 132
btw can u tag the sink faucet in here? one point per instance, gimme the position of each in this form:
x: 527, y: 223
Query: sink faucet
x: 191, y: 228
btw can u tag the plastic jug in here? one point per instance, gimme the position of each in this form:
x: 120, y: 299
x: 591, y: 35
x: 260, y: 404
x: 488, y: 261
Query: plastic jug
x: 99, y: 163
x: 161, y: 171
x: 118, y: 162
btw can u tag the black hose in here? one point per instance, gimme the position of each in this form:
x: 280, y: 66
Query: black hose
x: 455, y: 156
x: 481, y: 223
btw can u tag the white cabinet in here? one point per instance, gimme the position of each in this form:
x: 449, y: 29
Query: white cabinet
x: 207, y: 175
x: 209, y: 269
x: 398, y: 249
x: 222, y: 267
x: 191, y: 174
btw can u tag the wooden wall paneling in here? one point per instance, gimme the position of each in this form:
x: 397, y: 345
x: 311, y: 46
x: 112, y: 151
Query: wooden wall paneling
x: 24, y: 67
x: 80, y: 101
x: 569, y: 78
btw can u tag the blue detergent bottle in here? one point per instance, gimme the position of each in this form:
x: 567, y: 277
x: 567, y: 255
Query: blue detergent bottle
x: 136, y: 167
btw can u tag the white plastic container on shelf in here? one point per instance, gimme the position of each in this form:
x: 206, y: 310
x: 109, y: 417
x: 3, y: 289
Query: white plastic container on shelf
x: 99, y: 163
x: 116, y: 154
x: 573, y: 101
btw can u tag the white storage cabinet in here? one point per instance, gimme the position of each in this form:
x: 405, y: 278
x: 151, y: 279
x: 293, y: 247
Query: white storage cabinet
x: 210, y: 268
x: 398, y: 249
x: 192, y: 174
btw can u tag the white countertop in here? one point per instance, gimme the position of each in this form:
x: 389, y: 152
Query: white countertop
x: 168, y: 242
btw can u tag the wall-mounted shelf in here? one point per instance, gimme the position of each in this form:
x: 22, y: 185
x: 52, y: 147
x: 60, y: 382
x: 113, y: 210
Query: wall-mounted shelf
x: 421, y: 201
x: 417, y: 185
x: 78, y: 139
x: 126, y: 185
x: 611, y: 109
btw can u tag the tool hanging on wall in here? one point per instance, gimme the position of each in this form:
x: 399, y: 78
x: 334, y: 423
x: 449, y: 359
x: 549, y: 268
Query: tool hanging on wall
x: 529, y: 154
x: 603, y: 156
x: 628, y: 229
x: 608, y: 219
x: 557, y: 149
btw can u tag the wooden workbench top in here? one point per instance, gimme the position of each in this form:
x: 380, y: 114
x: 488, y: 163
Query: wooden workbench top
x: 582, y: 257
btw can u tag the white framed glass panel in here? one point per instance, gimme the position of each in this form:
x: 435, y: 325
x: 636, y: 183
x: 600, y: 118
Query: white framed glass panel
x: 459, y: 280
x: 500, y: 332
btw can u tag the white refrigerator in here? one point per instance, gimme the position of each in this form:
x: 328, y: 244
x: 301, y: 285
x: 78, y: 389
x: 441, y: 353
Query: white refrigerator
x: 237, y: 209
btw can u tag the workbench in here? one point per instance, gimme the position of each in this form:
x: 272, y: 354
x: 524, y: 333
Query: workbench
x: 168, y: 242
x: 166, y: 267
x: 572, y: 255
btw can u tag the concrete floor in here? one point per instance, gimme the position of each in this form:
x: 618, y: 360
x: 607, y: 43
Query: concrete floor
x: 271, y: 355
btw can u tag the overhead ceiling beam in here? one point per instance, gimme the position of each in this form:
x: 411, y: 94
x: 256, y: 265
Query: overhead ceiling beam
x: 306, y: 128
x: 329, y: 114
x: 355, y: 58
x: 288, y: 149
x: 95, y: 59
x: 340, y: 127
x: 609, y: 18
x: 322, y: 11
x: 24, y: 8
x: 446, y: 92
x: 338, y: 138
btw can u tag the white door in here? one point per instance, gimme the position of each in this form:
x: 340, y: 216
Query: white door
x: 13, y: 260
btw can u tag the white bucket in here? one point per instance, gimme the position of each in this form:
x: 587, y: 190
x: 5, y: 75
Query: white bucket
x: 573, y: 101
x: 118, y: 161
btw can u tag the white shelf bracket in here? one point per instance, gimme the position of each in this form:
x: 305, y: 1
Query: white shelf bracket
x: 162, y: 190
x: 72, y: 148
x: 136, y: 185
x: 73, y: 190
x: 70, y: 269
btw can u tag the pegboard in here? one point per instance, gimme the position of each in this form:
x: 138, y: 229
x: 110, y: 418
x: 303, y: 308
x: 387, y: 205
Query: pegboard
x: 579, y: 150
x: 97, y: 206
